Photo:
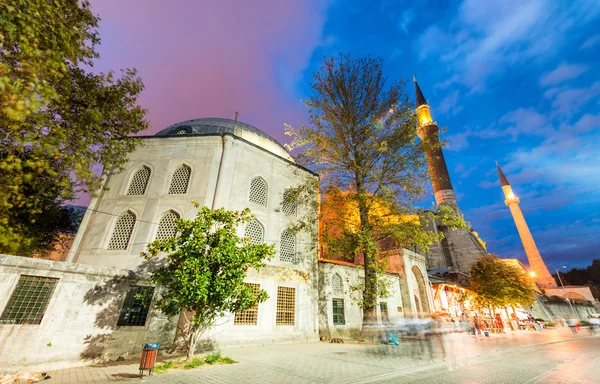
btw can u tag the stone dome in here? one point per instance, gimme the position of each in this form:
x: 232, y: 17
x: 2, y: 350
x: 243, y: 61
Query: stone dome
x: 207, y: 126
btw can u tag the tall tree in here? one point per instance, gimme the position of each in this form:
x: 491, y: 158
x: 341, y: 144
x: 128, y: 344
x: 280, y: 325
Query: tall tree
x: 206, y: 264
x: 58, y: 122
x: 362, y: 140
x: 499, y: 284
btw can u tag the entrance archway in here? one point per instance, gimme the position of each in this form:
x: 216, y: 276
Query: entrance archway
x: 421, y: 294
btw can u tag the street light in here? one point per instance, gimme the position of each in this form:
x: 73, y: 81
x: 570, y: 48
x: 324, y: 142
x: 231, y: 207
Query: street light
x: 563, y: 287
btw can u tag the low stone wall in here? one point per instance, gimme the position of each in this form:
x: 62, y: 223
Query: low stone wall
x: 79, y: 325
x: 551, y: 311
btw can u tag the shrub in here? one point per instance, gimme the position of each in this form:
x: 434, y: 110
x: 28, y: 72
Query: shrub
x: 195, y: 363
x: 213, y: 358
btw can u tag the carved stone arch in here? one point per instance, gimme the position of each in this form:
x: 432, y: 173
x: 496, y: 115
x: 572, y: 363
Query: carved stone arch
x: 421, y: 293
x: 180, y: 177
x: 139, y: 179
x: 122, y: 230
x: 255, y: 231
x: 337, y: 284
x: 259, y: 191
x: 166, y: 225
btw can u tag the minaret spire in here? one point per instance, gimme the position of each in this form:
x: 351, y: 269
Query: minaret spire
x: 428, y: 131
x: 536, y: 263
x: 420, y: 98
x: 503, y: 181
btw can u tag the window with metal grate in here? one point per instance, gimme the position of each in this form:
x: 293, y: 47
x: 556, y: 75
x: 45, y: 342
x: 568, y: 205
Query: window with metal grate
x: 287, y: 247
x: 180, y: 180
x: 166, y: 226
x: 288, y: 206
x: 337, y: 286
x: 286, y: 306
x: 255, y: 232
x: 29, y: 300
x: 122, y: 232
x: 136, y: 306
x: 258, y: 191
x: 139, y: 182
x: 248, y: 316
x: 339, y: 317
x: 384, y: 312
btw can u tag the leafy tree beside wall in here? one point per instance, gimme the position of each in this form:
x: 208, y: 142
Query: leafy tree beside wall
x: 206, y: 264
x: 58, y: 120
x: 362, y: 140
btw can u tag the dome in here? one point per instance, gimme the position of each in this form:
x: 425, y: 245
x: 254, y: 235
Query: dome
x: 245, y: 131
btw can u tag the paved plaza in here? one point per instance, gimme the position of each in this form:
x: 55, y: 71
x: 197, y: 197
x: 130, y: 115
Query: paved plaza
x: 550, y: 356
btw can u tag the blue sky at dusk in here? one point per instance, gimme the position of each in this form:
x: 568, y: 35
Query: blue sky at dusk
x: 513, y: 81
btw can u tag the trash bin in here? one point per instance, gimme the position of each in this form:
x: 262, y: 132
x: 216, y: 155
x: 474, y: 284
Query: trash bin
x: 149, y: 354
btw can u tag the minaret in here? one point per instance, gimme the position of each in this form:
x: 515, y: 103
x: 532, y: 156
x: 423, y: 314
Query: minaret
x: 428, y: 131
x: 459, y: 248
x: 536, y: 263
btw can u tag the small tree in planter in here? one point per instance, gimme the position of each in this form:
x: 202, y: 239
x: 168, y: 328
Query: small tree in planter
x: 205, y: 268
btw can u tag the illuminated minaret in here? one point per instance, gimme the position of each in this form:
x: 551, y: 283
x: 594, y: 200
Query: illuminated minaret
x: 428, y: 132
x: 458, y: 248
x: 536, y: 263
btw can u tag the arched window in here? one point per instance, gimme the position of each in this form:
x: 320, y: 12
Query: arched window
x: 287, y: 247
x: 139, y: 182
x: 166, y: 226
x: 180, y: 180
x: 122, y: 232
x: 337, y: 286
x: 258, y: 191
x: 255, y: 232
x: 288, y: 206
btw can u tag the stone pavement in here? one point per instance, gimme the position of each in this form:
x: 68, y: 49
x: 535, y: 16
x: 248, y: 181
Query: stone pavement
x: 550, y: 356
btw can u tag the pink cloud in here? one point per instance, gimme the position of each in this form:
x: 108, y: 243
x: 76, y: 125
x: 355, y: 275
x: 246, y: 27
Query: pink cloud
x: 213, y: 58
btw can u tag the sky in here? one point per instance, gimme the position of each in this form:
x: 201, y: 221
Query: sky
x: 515, y: 81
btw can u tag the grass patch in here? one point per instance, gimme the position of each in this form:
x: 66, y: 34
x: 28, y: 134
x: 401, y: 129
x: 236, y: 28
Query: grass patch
x: 195, y: 363
x: 213, y: 358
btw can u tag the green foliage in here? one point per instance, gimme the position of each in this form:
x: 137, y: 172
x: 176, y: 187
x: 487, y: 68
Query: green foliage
x: 205, y: 268
x: 499, y: 284
x: 362, y: 140
x: 195, y: 363
x: 213, y: 357
x: 57, y: 121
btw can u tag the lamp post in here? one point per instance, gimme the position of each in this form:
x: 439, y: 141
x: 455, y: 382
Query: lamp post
x: 563, y: 287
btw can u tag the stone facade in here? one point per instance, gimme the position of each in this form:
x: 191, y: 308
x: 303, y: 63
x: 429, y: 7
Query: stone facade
x: 80, y: 322
x: 408, y: 288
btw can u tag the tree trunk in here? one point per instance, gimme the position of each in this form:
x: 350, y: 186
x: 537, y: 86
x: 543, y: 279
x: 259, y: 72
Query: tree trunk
x: 370, y: 289
x: 509, y: 319
x: 192, y: 344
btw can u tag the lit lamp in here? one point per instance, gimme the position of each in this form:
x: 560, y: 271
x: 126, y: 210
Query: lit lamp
x: 532, y: 274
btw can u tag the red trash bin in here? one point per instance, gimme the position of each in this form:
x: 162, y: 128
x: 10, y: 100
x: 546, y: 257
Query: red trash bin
x: 149, y: 355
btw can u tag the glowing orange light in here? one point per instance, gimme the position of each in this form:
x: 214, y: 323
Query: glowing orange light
x: 532, y: 274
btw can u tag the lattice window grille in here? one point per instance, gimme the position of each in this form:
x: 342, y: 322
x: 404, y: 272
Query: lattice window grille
x: 139, y: 182
x: 29, y: 300
x: 180, y: 180
x: 339, y: 317
x: 122, y: 232
x: 288, y: 205
x: 286, y: 306
x: 166, y: 226
x: 258, y: 191
x: 136, y: 307
x: 287, y: 247
x: 248, y: 316
x: 255, y: 232
x: 337, y: 284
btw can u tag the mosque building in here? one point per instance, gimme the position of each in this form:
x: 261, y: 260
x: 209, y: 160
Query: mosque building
x: 93, y: 306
